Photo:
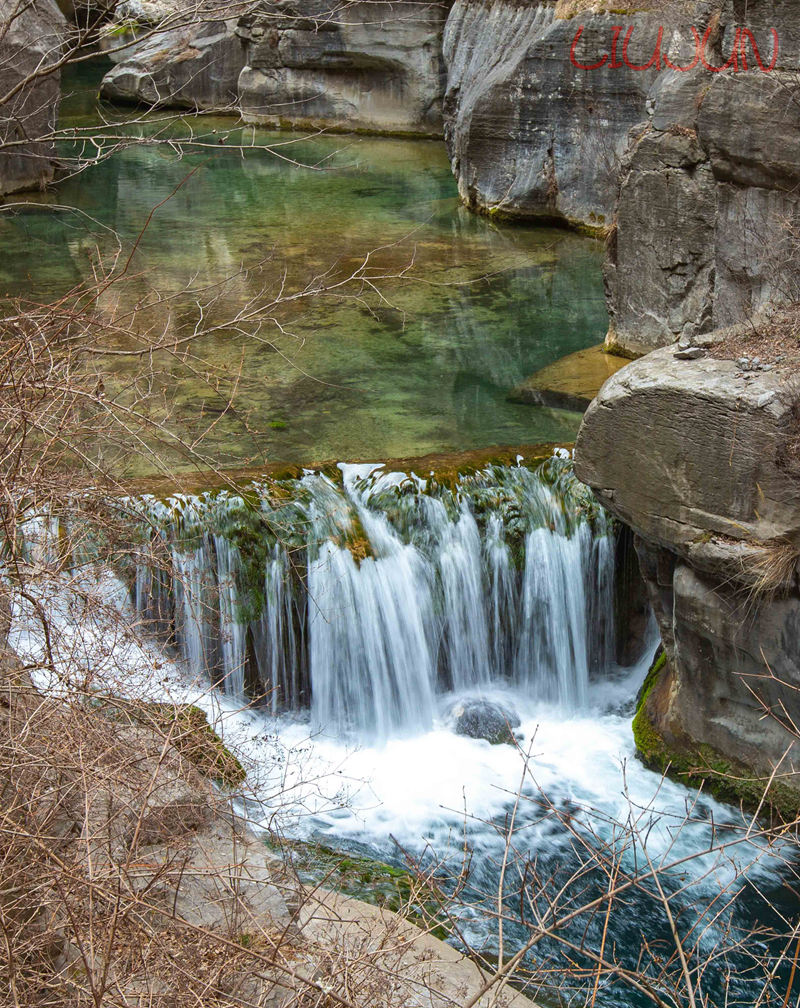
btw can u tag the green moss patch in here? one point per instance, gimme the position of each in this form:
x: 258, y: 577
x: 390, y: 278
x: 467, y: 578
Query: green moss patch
x: 365, y: 879
x: 189, y: 732
x: 703, y: 767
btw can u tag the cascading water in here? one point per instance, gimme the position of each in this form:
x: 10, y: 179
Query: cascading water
x: 372, y: 597
x: 375, y: 594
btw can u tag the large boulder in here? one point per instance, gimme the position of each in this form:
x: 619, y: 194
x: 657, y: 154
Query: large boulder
x: 31, y: 39
x: 531, y: 134
x: 195, y: 66
x: 701, y: 457
x: 374, y: 65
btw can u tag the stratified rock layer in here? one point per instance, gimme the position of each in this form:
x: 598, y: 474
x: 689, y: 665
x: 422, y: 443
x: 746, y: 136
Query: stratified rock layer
x: 373, y: 66
x: 706, y: 225
x: 368, y: 65
x: 702, y: 460
x: 530, y: 133
x: 30, y: 43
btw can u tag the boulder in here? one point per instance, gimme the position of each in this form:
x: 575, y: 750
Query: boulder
x: 701, y: 458
x: 195, y: 67
x: 484, y: 719
x: 373, y: 66
x: 31, y: 42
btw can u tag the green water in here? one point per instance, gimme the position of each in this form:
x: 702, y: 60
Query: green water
x: 421, y: 363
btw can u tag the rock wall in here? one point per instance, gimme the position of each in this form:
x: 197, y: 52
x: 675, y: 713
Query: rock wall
x: 708, y: 477
x: 370, y: 65
x: 530, y: 134
x: 708, y: 207
x: 30, y: 42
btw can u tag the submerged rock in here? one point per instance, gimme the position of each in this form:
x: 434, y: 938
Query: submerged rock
x: 571, y: 382
x: 484, y: 719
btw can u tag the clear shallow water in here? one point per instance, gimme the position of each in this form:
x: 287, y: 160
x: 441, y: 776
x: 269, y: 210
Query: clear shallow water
x: 425, y: 365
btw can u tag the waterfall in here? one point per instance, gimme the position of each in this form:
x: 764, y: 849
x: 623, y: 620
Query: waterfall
x: 369, y: 595
x: 370, y: 642
x: 552, y: 659
x: 276, y: 648
x: 233, y: 631
x: 464, y: 611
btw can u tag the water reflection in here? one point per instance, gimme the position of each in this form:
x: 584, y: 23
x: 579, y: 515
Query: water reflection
x: 464, y: 310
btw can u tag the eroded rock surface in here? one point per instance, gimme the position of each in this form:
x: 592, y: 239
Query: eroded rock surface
x: 30, y: 43
x: 702, y: 459
x: 193, y: 66
x: 374, y: 66
x: 708, y: 204
x: 367, y: 65
x: 530, y: 134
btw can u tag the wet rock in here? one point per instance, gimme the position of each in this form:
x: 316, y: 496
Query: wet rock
x: 632, y: 615
x: 31, y: 41
x: 484, y: 719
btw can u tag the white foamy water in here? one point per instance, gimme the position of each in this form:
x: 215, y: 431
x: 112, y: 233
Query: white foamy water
x: 414, y: 790
x: 408, y: 599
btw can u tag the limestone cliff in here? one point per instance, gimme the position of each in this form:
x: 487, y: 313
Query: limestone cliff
x: 705, y: 229
x: 373, y: 66
x: 531, y: 134
x: 368, y: 65
x: 697, y: 448
x: 30, y: 43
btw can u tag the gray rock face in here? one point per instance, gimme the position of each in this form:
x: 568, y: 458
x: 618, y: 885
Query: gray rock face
x: 531, y: 135
x: 709, y: 480
x: 193, y: 67
x: 659, y: 270
x: 30, y: 41
x: 708, y: 196
x: 369, y: 65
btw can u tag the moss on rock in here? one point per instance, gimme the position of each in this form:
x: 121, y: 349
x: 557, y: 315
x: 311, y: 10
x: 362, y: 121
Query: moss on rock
x: 365, y: 879
x: 701, y: 766
x: 187, y: 728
